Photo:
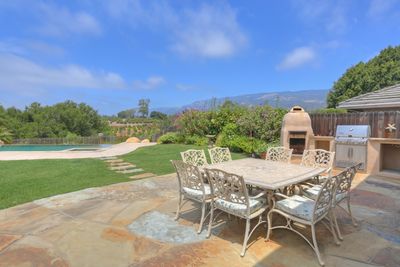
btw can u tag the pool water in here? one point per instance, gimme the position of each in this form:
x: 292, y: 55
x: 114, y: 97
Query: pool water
x: 51, y: 147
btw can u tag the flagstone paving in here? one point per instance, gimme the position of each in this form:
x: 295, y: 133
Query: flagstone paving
x: 131, y: 224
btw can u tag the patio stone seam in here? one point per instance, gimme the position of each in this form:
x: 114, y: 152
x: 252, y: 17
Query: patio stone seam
x: 12, y: 243
x: 351, y: 259
x: 118, y: 213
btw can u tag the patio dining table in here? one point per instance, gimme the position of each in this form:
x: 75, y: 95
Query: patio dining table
x: 266, y: 174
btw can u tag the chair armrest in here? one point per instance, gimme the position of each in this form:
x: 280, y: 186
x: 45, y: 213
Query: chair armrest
x: 258, y: 195
x: 306, y: 184
x: 281, y: 195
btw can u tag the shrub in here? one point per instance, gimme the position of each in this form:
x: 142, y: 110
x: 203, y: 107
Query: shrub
x: 229, y: 137
x: 195, y: 140
x: 168, y: 138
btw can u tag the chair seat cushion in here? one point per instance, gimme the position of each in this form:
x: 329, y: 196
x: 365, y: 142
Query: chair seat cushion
x: 297, y: 206
x: 312, y: 192
x: 241, y: 209
x: 198, y: 194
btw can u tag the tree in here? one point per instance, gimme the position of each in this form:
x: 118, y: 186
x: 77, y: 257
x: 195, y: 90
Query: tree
x: 60, y: 120
x: 5, y: 135
x: 144, y: 107
x: 158, y: 115
x: 127, y: 114
x: 379, y: 72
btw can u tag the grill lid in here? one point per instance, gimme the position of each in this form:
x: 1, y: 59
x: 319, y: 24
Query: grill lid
x: 353, y: 131
x: 352, y: 134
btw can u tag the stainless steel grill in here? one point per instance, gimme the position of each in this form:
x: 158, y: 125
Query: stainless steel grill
x: 351, y: 145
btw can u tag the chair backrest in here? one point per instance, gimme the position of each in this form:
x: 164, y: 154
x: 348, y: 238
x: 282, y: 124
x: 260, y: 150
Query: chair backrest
x: 189, y: 176
x: 219, y: 154
x: 228, y: 187
x: 279, y: 153
x: 194, y: 157
x: 325, y: 197
x: 344, y: 181
x: 318, y: 158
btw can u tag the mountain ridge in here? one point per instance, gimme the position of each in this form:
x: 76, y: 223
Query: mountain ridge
x: 308, y: 99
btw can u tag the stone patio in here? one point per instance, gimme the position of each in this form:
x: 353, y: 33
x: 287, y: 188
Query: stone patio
x: 131, y: 224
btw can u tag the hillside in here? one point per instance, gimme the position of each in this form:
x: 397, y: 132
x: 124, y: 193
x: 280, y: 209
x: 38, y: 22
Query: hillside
x: 309, y: 99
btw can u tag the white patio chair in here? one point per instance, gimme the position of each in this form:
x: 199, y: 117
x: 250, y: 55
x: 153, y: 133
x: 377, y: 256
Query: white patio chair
x: 231, y: 196
x: 194, y: 157
x: 307, y: 212
x: 319, y: 158
x: 192, y: 187
x: 344, y: 181
x: 280, y: 153
x: 219, y: 154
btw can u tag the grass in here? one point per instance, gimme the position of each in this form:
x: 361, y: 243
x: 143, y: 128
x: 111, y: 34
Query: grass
x: 26, y: 180
x: 156, y: 159
x: 23, y: 181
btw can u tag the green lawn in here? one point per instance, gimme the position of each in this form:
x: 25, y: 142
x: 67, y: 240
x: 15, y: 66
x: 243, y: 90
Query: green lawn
x: 156, y: 159
x: 26, y: 180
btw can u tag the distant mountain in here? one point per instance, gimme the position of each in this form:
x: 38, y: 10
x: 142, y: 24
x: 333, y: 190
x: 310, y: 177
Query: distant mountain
x: 308, y: 99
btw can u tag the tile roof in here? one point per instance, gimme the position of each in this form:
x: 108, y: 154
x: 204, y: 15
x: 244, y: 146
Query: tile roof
x: 388, y: 97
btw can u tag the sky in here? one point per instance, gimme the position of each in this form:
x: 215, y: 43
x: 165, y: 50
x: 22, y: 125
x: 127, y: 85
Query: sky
x: 110, y: 54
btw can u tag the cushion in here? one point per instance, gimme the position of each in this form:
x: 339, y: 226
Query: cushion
x: 297, y: 206
x: 238, y: 208
x: 312, y: 192
x: 198, y: 194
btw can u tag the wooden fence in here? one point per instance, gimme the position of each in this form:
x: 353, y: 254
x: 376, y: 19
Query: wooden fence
x: 325, y: 124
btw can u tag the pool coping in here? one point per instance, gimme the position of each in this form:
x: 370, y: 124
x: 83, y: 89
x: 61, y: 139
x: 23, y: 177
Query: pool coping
x: 114, y: 150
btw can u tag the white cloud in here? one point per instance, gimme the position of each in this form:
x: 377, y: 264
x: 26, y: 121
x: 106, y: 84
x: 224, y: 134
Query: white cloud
x: 24, y: 47
x: 59, y: 21
x: 18, y: 73
x: 184, y: 87
x: 332, y: 15
x: 209, y: 31
x: 297, y: 58
x: 379, y: 8
x: 150, y: 83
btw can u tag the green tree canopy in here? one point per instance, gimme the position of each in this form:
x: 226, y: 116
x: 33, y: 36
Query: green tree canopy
x: 144, y: 107
x: 158, y: 115
x: 127, y: 114
x: 379, y: 72
x: 60, y: 120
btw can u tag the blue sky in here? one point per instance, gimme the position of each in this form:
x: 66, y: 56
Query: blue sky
x: 109, y: 54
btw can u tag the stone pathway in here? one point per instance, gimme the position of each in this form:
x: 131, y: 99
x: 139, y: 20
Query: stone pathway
x: 120, y: 166
x: 132, y: 224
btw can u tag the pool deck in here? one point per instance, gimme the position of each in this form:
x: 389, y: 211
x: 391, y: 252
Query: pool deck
x: 131, y: 224
x: 114, y: 150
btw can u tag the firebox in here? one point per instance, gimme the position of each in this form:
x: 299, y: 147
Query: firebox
x: 297, y: 141
x: 296, y: 130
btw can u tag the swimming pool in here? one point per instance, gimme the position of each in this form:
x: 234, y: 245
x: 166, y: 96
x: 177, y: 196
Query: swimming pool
x: 51, y: 147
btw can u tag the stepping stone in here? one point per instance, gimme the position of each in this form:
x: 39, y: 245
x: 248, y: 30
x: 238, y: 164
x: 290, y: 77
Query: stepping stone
x: 115, y: 164
x: 142, y: 175
x: 121, y: 168
x: 130, y: 171
x: 114, y: 160
x: 108, y: 158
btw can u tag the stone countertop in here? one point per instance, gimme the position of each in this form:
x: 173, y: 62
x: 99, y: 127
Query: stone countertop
x: 320, y: 137
x: 386, y: 140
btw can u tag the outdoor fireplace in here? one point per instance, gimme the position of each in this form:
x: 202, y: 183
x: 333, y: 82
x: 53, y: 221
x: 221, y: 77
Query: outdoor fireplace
x: 296, y: 130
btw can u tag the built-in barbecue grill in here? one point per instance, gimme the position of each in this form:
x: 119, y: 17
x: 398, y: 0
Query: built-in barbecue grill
x: 351, y: 145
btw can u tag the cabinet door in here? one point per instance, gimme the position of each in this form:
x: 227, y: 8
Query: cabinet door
x: 343, y: 153
x: 359, y: 154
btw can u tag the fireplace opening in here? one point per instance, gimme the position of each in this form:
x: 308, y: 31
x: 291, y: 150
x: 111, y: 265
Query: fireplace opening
x: 297, y: 141
x: 390, y: 158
